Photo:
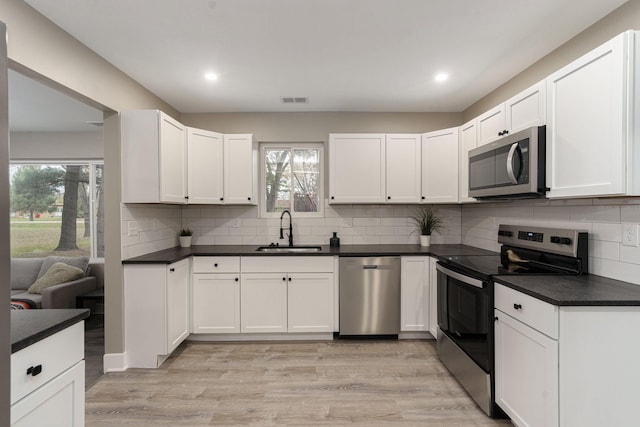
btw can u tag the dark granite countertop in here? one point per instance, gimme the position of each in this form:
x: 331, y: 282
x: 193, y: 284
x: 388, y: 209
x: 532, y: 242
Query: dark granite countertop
x: 171, y: 255
x: 30, y: 326
x: 586, y: 290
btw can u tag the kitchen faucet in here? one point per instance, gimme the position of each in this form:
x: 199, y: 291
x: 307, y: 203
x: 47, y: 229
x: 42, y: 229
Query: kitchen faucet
x: 290, y: 227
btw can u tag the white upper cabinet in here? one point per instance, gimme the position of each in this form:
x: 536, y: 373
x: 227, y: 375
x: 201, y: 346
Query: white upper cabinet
x: 524, y: 110
x: 440, y: 166
x: 357, y: 168
x: 590, y: 123
x: 468, y: 141
x: 205, y: 172
x: 154, y: 158
x: 241, y: 169
x: 403, y: 168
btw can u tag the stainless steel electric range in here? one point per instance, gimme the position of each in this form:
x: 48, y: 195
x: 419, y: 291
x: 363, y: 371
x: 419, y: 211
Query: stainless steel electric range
x: 465, y: 298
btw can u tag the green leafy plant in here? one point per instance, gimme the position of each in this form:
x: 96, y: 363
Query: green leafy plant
x: 427, y: 220
x: 186, y: 232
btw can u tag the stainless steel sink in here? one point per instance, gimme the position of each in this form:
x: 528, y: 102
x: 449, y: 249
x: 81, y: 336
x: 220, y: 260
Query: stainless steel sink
x: 289, y: 249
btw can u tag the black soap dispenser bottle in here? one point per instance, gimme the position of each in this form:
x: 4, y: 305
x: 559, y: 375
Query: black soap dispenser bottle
x: 334, y: 242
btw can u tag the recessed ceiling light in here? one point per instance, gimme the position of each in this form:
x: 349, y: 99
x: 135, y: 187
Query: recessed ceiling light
x: 441, y: 77
x: 212, y: 77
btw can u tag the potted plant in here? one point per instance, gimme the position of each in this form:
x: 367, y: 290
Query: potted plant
x: 427, y: 220
x: 185, y: 237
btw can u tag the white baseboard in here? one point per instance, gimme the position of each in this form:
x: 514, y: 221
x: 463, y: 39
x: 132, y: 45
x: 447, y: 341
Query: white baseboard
x: 114, y: 362
x: 323, y: 336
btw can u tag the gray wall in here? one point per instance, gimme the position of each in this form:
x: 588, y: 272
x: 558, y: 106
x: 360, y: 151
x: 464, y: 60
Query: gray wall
x: 56, y: 145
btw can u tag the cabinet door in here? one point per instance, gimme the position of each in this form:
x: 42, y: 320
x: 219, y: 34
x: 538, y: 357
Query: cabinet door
x: 357, y: 168
x: 177, y: 303
x: 433, y: 297
x: 403, y: 168
x: 440, y: 166
x: 526, y: 373
x: 468, y: 141
x: 310, y: 302
x: 263, y: 302
x: 527, y: 108
x: 491, y: 124
x: 173, y: 161
x: 587, y: 123
x: 240, y: 170
x: 216, y: 303
x: 414, y: 294
x: 58, y: 403
x: 205, y: 166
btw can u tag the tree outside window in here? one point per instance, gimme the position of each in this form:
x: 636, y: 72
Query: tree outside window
x: 57, y: 209
x: 292, y: 179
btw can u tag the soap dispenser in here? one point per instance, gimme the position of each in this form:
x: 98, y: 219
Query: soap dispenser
x: 334, y: 242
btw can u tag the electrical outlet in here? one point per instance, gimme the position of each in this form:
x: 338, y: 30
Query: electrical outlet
x: 235, y: 223
x: 133, y: 229
x: 630, y: 234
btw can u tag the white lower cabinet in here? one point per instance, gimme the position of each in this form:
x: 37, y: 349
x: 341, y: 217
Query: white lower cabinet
x: 433, y: 297
x: 263, y: 302
x: 156, y: 311
x: 310, y: 302
x: 414, y: 293
x: 215, y: 295
x: 565, y: 366
x: 55, y: 396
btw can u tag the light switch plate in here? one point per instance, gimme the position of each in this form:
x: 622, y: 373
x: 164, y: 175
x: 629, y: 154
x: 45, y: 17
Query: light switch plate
x: 630, y: 234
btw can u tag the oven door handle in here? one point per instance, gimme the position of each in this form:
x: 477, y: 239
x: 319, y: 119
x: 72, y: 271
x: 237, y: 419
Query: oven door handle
x: 461, y: 277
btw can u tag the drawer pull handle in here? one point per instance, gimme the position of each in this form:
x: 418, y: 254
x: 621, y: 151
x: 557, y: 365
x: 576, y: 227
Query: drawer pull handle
x: 236, y: 279
x: 172, y: 270
x: 517, y: 306
x: 215, y: 265
x: 34, y: 370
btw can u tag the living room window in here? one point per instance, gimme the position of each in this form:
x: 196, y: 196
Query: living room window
x: 57, y: 209
x: 291, y: 179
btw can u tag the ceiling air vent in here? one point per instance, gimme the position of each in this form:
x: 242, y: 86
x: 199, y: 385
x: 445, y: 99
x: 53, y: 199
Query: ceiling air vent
x: 294, y: 100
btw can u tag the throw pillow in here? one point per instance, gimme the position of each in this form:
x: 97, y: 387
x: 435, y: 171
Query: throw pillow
x: 58, y: 273
x: 77, y: 261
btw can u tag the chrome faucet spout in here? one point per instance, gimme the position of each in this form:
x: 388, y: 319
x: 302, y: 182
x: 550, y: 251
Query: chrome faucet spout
x: 286, y: 211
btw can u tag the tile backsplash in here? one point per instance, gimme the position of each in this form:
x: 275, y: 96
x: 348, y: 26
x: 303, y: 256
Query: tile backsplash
x: 155, y: 227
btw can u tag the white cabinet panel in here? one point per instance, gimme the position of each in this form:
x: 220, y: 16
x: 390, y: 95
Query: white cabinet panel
x: 433, y: 297
x: 414, y: 294
x: 526, y: 373
x: 527, y: 109
x: 403, y: 168
x: 310, y: 302
x: 440, y: 166
x: 205, y: 166
x: 491, y: 124
x: 173, y: 161
x: 468, y: 141
x: 177, y: 303
x: 216, y: 303
x: 587, y: 123
x: 357, y: 168
x: 241, y: 169
x: 263, y: 302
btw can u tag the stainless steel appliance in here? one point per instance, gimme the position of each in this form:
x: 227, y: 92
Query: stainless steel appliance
x: 511, y: 167
x: 369, y: 296
x: 465, y: 338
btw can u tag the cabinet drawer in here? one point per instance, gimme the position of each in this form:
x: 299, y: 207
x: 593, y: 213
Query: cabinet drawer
x: 54, y: 355
x: 538, y: 314
x: 287, y: 264
x: 216, y: 264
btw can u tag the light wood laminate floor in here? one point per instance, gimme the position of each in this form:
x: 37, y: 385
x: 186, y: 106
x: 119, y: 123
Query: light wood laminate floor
x: 339, y: 383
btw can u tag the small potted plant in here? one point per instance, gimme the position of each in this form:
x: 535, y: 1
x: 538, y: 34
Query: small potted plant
x: 185, y: 237
x: 427, y: 220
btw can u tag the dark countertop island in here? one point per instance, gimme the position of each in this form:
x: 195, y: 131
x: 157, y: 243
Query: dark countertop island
x: 30, y: 326
x: 584, y: 290
x: 171, y: 255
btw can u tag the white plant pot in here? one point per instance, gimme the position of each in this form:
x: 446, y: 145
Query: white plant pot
x: 185, y: 241
x: 425, y: 240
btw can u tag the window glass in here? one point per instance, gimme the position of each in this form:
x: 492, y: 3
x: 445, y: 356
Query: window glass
x: 292, y: 179
x: 56, y: 209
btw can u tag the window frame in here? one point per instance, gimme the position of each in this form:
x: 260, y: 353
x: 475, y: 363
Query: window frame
x: 263, y: 185
x: 93, y: 249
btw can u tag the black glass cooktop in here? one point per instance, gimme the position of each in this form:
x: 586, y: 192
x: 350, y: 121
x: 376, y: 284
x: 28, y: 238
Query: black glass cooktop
x: 490, y: 265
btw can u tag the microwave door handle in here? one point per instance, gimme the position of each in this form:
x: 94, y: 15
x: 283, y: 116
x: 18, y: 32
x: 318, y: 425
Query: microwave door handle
x: 512, y: 175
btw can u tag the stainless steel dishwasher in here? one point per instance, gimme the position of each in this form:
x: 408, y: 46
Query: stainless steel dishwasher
x: 369, y: 295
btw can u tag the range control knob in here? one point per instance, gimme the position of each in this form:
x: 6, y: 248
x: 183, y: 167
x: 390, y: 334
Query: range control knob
x: 560, y: 240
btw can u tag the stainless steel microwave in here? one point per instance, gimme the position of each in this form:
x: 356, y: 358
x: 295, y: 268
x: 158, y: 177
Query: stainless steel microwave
x: 511, y: 167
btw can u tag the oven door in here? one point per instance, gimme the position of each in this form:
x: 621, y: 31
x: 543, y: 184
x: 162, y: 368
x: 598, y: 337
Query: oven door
x: 463, y: 313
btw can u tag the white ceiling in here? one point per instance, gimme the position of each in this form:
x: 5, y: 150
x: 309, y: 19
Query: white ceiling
x: 345, y: 55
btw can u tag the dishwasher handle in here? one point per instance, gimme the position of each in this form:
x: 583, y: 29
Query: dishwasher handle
x: 370, y: 267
